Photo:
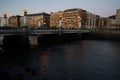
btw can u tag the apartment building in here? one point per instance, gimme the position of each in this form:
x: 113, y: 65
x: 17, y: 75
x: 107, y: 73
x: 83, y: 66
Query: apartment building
x: 70, y: 18
x: 14, y: 21
x: 37, y: 20
x: 55, y: 18
x: 118, y: 16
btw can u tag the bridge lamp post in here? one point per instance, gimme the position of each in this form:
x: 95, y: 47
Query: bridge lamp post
x: 5, y: 20
x: 25, y: 19
x: 60, y: 22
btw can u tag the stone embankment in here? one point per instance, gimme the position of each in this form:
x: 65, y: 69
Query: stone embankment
x: 102, y: 35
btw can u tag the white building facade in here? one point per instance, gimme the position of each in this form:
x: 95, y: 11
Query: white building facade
x: 91, y: 20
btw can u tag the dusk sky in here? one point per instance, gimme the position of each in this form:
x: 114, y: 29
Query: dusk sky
x: 103, y: 8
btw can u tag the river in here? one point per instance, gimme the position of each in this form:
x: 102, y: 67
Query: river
x: 79, y: 60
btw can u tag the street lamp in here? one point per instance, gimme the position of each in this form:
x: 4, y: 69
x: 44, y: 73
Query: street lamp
x: 5, y: 20
x: 25, y: 18
x: 60, y: 24
x: 60, y: 21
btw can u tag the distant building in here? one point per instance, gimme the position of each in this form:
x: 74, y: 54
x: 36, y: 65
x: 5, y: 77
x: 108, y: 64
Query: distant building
x: 38, y: 19
x: 14, y: 21
x: 112, y: 17
x: 70, y: 18
x: 54, y: 18
x: 118, y: 17
x: 103, y: 22
x: 92, y: 20
x: 110, y: 22
x: 97, y: 21
x: 83, y: 18
x: 4, y: 22
x: 33, y: 20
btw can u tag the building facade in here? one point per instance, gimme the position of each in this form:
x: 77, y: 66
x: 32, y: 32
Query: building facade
x: 92, y: 20
x: 4, y: 22
x: 55, y: 18
x: 118, y: 18
x: 110, y: 23
x: 37, y: 20
x: 33, y: 20
x: 102, y: 23
x: 14, y: 21
x: 71, y: 18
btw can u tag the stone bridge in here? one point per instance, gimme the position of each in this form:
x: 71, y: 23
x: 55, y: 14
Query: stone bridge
x: 26, y: 37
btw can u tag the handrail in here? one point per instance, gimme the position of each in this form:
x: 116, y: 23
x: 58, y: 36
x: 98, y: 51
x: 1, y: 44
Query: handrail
x: 35, y: 31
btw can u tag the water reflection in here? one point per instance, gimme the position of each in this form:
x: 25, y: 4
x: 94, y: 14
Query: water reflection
x: 44, y: 64
x: 82, y: 60
x: 69, y: 63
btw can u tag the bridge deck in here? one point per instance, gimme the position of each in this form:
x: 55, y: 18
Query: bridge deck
x: 38, y: 32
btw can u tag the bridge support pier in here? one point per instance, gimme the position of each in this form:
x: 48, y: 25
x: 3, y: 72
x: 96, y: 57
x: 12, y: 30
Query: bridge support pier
x: 33, y: 41
x: 1, y: 40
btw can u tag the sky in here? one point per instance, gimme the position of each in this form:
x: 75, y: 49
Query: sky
x: 104, y: 8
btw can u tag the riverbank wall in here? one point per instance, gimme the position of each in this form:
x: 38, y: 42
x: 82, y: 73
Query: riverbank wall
x: 102, y: 35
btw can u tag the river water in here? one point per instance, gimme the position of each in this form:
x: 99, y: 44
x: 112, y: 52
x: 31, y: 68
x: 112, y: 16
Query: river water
x: 80, y: 60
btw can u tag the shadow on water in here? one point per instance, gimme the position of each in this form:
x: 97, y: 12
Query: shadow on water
x: 21, y: 63
x: 57, y: 42
x: 63, y: 60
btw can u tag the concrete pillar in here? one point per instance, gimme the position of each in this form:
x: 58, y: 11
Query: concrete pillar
x: 33, y: 40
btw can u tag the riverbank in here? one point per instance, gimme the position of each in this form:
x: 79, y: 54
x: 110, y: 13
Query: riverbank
x: 102, y: 35
x: 47, y: 41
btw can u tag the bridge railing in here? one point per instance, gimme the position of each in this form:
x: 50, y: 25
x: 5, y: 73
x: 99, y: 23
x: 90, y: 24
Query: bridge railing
x: 53, y: 31
x: 39, y: 31
x: 70, y: 31
x: 13, y: 31
x: 44, y: 31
